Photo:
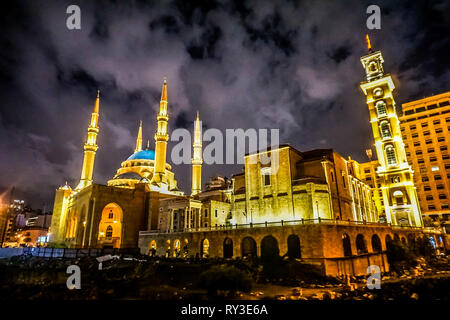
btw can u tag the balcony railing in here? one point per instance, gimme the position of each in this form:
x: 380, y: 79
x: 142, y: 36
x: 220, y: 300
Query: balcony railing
x: 282, y: 223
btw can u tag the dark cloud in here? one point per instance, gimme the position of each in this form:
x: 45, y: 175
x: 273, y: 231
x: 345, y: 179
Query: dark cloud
x: 292, y: 65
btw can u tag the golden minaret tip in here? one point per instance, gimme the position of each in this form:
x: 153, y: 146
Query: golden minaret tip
x: 198, y: 118
x: 369, y: 46
x: 164, y: 90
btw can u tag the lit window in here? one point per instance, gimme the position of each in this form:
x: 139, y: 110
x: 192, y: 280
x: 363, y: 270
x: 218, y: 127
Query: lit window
x: 385, y: 131
x: 266, y: 179
x: 109, y: 232
x: 381, y: 108
x: 390, y: 155
x: 435, y: 168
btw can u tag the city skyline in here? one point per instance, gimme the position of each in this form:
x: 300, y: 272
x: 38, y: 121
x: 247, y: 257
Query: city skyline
x: 239, y: 66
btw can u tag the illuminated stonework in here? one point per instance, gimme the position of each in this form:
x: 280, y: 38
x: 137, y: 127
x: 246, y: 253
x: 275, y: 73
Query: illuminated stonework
x: 400, y: 204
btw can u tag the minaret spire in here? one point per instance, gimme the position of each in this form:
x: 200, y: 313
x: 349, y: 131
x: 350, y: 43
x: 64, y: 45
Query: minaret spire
x: 197, y: 159
x: 161, y: 138
x: 139, y: 139
x: 90, y: 147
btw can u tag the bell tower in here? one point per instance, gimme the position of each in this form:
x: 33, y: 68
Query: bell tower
x: 400, y: 202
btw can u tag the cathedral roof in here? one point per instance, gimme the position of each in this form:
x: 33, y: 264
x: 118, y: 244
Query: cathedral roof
x: 143, y: 155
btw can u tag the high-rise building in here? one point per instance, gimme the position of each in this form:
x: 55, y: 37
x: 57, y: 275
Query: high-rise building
x: 425, y: 126
x: 395, y: 175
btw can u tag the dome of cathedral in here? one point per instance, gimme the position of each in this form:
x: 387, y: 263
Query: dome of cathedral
x: 143, y: 155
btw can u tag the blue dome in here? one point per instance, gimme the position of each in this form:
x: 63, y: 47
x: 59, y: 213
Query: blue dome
x: 143, y: 154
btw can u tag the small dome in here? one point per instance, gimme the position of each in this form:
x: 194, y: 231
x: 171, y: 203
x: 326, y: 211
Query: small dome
x: 143, y: 155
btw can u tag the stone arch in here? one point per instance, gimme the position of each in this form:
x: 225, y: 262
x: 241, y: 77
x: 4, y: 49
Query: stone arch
x: 396, y: 237
x: 346, y: 245
x: 112, y: 215
x: 269, y: 247
x: 204, y: 248
x: 227, y: 248
x: 360, y: 244
x: 152, y: 249
x: 293, y: 244
x: 376, y: 243
x: 248, y: 247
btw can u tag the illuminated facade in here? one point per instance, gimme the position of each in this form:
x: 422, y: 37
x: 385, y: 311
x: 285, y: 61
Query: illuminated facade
x: 425, y: 127
x: 395, y: 175
x: 95, y: 215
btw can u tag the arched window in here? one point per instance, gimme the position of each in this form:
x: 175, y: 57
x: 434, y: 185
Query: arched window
x: 385, y: 130
x: 346, y: 245
x: 390, y: 155
x: 109, y: 232
x: 361, y: 244
x: 372, y: 66
x: 376, y: 243
x: 398, y: 196
x: 381, y: 108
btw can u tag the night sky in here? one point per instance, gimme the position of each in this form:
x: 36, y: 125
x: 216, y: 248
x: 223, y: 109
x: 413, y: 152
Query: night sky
x: 291, y: 65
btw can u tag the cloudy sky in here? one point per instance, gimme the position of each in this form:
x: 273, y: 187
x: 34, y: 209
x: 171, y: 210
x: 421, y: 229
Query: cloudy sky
x: 292, y: 65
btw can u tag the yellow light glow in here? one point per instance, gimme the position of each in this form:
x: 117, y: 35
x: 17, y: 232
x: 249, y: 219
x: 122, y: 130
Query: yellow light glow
x: 368, y: 42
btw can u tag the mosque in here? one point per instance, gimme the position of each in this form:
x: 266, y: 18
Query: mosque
x: 315, y: 206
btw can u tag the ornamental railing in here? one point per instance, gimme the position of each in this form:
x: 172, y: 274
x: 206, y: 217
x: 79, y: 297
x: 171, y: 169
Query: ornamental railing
x: 282, y: 223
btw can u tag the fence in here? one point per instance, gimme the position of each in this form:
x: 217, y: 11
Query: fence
x: 66, y: 253
x: 280, y: 223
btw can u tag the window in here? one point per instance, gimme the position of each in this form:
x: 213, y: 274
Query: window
x: 424, y: 179
x: 110, y: 215
x: 432, y: 159
x: 431, y: 207
x: 437, y: 177
x: 390, y: 155
x: 381, y: 108
x: 435, y: 168
x: 420, y: 161
x: 436, y: 121
x: 438, y: 130
x: 332, y: 175
x: 420, y: 109
x: 426, y: 133
x: 215, y: 213
x: 412, y: 127
x: 445, y: 156
x: 206, y: 213
x: 419, y: 152
x: 109, y: 232
x: 440, y: 186
x: 366, y: 170
x: 415, y: 135
x: 385, y: 131
x: 343, y: 179
x: 441, y: 139
x: 416, y: 144
x: 430, y: 150
x: 444, y: 206
x: 429, y: 141
x: 442, y: 196
x: 266, y: 179
x: 424, y: 125
x: 429, y: 197
x: 426, y: 188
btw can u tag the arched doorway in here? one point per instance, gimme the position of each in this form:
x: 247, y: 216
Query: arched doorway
x: 347, y: 246
x: 293, y: 243
x: 248, y: 247
x: 110, y: 226
x: 227, y: 248
x: 204, y: 249
x: 361, y: 244
x: 177, y: 248
x: 152, y: 251
x: 376, y: 243
x: 269, y: 248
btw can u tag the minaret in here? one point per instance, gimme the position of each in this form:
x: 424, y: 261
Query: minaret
x: 197, y: 158
x: 401, y: 205
x: 161, y: 138
x: 139, y: 139
x: 90, y: 148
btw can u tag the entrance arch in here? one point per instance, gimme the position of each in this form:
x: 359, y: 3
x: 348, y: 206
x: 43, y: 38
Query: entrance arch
x: 227, y: 248
x: 152, y: 250
x: 248, y: 247
x: 204, y: 249
x: 269, y: 248
x: 293, y: 243
x: 376, y: 243
x: 110, y: 226
x: 347, y: 246
x: 361, y: 244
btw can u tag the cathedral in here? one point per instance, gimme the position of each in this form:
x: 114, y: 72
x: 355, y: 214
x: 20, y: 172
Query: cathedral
x: 315, y: 205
